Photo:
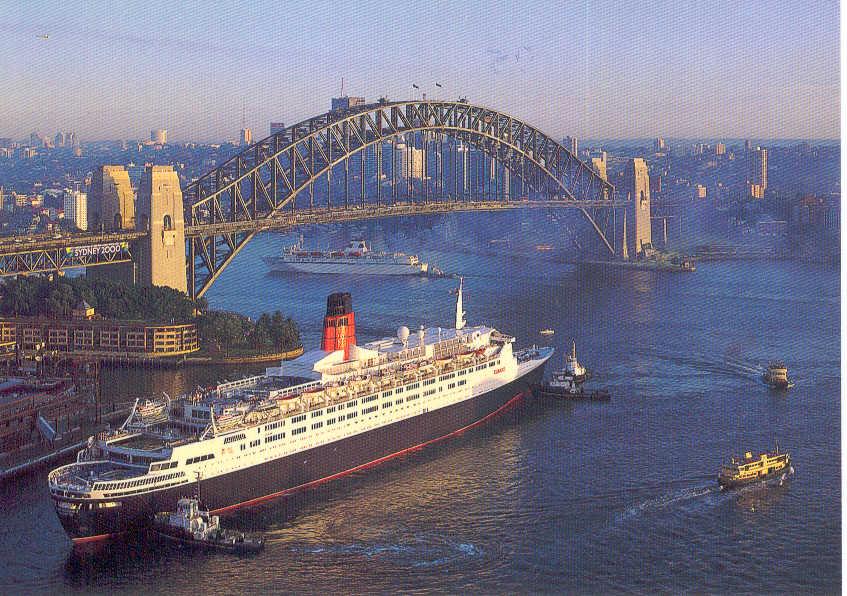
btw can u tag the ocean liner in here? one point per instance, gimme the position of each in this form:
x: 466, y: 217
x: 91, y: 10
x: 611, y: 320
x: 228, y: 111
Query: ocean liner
x: 262, y: 437
x: 357, y: 258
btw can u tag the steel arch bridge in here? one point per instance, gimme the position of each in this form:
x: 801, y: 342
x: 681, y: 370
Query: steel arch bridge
x: 266, y: 185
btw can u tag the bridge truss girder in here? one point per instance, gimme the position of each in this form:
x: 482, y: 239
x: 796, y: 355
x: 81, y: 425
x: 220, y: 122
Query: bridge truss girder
x: 266, y: 179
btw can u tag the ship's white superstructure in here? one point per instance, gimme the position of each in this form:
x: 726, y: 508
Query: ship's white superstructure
x: 357, y: 258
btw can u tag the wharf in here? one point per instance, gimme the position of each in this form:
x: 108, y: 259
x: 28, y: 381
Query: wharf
x: 24, y: 460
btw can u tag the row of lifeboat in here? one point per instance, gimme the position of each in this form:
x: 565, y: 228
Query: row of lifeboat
x: 337, y: 391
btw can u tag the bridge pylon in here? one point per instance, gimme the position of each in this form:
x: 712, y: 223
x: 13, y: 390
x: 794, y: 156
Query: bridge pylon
x: 637, y: 186
x: 161, y: 259
x: 111, y: 208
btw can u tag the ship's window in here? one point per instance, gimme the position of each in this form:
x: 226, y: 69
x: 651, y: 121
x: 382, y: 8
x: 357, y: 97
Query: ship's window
x: 297, y: 431
x: 317, y: 413
x: 340, y: 407
x: 330, y: 421
x: 353, y: 403
x: 317, y: 425
x: 330, y: 410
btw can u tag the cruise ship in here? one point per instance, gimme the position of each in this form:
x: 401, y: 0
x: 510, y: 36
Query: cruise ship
x: 357, y: 258
x: 263, y: 437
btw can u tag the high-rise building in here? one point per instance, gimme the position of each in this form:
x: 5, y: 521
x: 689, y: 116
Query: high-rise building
x: 748, y: 145
x: 246, y: 136
x: 757, y: 177
x: 720, y: 149
x: 346, y: 102
x: 76, y: 208
x: 159, y: 136
x: 59, y: 140
x: 659, y: 145
x: 35, y: 139
x: 277, y: 127
x: 571, y: 144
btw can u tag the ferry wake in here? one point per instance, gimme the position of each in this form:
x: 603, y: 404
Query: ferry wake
x: 262, y: 437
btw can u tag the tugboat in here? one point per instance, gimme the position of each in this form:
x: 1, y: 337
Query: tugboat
x: 194, y: 527
x: 567, y: 382
x: 573, y: 368
x: 776, y: 376
x: 769, y: 466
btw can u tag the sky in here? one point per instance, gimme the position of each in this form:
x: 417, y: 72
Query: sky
x: 600, y: 69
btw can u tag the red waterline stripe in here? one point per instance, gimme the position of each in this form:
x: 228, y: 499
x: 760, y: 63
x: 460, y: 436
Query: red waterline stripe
x: 370, y: 464
x: 97, y: 538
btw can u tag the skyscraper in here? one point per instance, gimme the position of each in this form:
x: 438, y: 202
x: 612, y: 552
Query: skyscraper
x: 76, y: 208
x: 659, y: 145
x: 571, y: 144
x: 757, y: 177
x: 720, y: 149
x: 246, y: 136
x: 159, y: 136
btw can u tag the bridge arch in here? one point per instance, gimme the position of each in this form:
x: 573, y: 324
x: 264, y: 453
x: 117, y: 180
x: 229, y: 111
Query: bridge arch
x: 224, y: 208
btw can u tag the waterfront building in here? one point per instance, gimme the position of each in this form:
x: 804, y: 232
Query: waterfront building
x: 720, y: 149
x: 90, y: 337
x: 246, y: 136
x: 76, y: 208
x: 159, y: 136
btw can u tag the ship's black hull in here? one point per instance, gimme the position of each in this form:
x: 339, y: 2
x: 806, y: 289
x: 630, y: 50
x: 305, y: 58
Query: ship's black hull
x: 300, y: 470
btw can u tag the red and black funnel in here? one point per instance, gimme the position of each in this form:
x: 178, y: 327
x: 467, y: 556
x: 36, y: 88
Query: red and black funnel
x: 339, y: 324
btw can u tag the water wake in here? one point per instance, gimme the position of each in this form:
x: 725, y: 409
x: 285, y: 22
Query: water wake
x: 421, y: 551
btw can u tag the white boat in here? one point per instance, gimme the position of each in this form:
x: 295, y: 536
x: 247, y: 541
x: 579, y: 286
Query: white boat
x: 357, y: 258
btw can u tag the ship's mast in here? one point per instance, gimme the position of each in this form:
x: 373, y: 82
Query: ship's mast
x: 460, y: 314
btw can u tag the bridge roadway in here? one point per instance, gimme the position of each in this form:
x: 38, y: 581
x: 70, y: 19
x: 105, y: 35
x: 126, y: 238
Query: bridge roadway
x: 44, y: 253
x: 302, y: 217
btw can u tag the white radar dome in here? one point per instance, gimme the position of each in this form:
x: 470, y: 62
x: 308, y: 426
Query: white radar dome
x: 403, y: 334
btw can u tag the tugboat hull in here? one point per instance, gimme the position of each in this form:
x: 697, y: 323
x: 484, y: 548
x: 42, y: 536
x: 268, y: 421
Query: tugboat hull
x: 548, y: 391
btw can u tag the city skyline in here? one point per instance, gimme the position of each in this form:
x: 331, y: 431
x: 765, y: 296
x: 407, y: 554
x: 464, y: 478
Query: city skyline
x: 589, y: 71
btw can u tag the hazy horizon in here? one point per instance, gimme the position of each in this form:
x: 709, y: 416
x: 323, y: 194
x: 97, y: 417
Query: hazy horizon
x: 612, y: 71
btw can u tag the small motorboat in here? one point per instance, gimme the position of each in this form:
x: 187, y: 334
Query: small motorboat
x: 547, y: 332
x: 191, y: 526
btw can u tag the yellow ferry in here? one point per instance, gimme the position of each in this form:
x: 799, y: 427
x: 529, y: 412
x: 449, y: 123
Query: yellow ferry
x: 768, y: 466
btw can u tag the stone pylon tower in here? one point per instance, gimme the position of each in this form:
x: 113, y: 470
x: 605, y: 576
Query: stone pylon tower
x: 111, y: 208
x: 160, y: 212
x: 637, y: 188
x: 111, y: 203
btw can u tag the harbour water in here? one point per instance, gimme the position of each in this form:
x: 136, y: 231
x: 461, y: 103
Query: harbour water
x: 552, y: 497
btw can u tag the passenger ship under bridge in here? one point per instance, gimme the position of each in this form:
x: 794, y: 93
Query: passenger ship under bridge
x: 259, y: 438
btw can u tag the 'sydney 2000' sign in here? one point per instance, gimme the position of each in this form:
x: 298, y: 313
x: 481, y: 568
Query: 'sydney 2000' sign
x: 112, y: 249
